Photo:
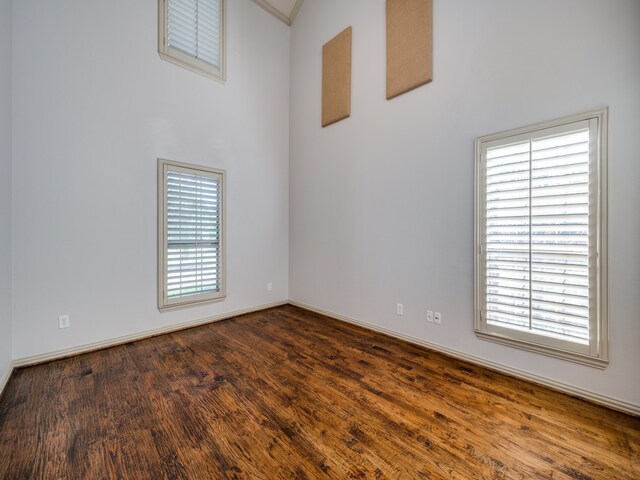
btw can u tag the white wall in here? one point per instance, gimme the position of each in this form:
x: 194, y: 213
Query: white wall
x: 5, y: 188
x: 382, y: 203
x: 94, y: 107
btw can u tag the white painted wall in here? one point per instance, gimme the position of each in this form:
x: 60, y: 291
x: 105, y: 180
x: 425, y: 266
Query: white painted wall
x: 94, y: 107
x: 5, y: 188
x: 381, y: 204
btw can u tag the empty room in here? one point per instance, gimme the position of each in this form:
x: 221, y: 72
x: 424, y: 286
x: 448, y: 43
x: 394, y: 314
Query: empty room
x: 319, y: 239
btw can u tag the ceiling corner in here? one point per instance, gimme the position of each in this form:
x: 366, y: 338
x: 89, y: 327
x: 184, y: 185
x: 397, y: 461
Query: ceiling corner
x: 283, y: 10
x: 294, y: 11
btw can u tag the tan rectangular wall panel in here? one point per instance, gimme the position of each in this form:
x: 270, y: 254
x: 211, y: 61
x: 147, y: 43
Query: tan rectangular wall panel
x: 409, y: 45
x: 336, y: 78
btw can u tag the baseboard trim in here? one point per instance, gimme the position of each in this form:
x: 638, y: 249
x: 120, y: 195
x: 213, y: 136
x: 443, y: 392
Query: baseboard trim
x: 4, y: 379
x: 604, y: 400
x: 91, y: 347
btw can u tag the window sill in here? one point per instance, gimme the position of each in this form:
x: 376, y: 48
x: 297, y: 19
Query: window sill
x: 589, y: 361
x: 194, y: 66
x: 191, y: 303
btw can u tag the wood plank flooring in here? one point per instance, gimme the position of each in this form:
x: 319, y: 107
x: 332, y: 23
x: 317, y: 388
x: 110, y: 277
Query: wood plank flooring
x: 289, y: 394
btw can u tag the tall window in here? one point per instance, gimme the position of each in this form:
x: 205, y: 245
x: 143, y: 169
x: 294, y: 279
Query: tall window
x: 191, y: 34
x: 541, y: 234
x: 190, y: 244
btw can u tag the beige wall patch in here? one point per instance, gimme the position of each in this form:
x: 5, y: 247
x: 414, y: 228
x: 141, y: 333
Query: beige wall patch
x: 336, y: 78
x: 409, y: 45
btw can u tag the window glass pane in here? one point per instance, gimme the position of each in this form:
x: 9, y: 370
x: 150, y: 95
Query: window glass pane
x: 193, y: 234
x: 194, y: 28
x: 537, y: 236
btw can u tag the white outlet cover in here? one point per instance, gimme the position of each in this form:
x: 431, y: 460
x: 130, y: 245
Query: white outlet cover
x: 270, y: 286
x: 437, y: 318
x: 399, y: 309
x: 64, y: 321
x: 429, y: 316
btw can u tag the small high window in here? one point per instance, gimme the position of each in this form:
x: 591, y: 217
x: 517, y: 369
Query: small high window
x: 191, y: 34
x: 541, y: 235
x: 190, y: 243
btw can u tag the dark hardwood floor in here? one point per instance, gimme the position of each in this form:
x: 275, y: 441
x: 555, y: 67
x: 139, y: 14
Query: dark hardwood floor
x: 288, y: 394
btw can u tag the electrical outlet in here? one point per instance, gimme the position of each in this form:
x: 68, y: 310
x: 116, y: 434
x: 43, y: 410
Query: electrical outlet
x: 429, y: 316
x: 437, y: 318
x: 270, y: 286
x: 64, y: 321
x: 399, y: 309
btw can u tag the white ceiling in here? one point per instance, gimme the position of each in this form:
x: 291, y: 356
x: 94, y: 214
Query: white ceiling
x: 285, y: 10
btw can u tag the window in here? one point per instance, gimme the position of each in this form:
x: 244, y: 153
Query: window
x: 541, y: 238
x: 191, y: 233
x: 191, y: 34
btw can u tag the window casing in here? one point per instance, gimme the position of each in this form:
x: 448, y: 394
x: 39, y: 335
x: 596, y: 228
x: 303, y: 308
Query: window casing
x: 541, y: 238
x: 191, y: 266
x: 191, y: 33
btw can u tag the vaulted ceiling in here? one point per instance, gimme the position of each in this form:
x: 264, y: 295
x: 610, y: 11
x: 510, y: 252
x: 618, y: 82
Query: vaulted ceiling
x: 285, y: 10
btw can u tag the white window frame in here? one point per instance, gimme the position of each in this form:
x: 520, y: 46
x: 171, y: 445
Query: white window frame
x: 596, y: 353
x: 165, y: 303
x: 189, y: 62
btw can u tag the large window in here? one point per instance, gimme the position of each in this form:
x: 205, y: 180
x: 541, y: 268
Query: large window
x: 190, y: 243
x: 541, y: 237
x: 191, y: 34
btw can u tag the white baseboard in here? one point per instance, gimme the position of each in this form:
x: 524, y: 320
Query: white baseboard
x: 604, y: 400
x: 4, y: 379
x: 69, y: 352
x: 607, y: 401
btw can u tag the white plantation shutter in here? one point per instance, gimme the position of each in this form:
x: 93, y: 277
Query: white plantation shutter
x: 539, y: 234
x: 560, y: 236
x: 194, y: 27
x: 192, y: 233
x: 191, y: 34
